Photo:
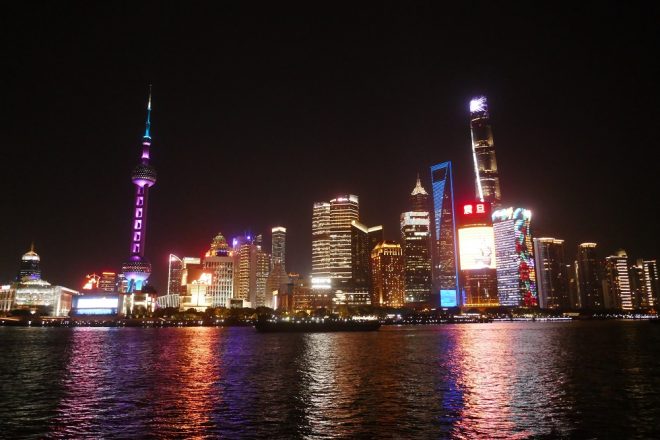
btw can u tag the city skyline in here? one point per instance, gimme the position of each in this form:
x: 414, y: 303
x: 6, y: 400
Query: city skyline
x: 544, y: 135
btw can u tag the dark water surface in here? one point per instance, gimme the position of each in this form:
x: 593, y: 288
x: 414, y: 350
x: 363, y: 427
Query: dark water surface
x: 500, y: 380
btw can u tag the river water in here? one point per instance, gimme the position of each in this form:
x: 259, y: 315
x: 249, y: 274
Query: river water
x: 499, y: 380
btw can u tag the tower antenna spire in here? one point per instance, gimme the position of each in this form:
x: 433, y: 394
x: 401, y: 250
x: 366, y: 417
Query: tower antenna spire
x: 147, y: 131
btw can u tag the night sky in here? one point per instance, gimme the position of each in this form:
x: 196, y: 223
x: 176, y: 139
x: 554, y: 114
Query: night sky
x: 258, y: 113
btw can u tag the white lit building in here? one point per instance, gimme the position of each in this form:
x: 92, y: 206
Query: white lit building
x: 514, y: 258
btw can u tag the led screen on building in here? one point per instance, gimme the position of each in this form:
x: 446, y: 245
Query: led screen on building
x: 97, y: 303
x: 448, y: 298
x: 476, y: 248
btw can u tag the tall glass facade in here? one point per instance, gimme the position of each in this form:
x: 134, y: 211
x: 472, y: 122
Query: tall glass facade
x: 483, y: 152
x: 445, y: 272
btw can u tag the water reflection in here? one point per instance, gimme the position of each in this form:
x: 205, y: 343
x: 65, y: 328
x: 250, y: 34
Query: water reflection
x: 501, y: 380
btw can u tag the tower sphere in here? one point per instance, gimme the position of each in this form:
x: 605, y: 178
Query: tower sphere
x: 144, y: 175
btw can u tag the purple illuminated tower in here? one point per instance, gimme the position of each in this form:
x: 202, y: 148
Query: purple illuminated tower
x: 137, y: 269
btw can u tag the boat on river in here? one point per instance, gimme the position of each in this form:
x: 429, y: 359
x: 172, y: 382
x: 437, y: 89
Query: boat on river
x: 316, y: 325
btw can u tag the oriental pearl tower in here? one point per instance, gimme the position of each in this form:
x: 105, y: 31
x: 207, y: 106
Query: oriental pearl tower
x: 137, y: 268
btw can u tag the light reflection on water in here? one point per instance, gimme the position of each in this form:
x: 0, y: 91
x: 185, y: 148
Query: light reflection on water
x: 500, y: 380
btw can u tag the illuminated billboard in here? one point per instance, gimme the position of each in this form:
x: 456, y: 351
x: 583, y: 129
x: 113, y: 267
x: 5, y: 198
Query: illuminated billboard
x: 476, y: 248
x: 448, y: 298
x: 97, y: 303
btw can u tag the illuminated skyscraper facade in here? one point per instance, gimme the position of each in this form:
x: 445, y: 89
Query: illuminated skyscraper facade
x: 251, y: 266
x: 363, y: 240
x: 651, y: 283
x: 343, y: 211
x: 321, y: 240
x: 444, y: 249
x: 617, y: 292
x: 331, y: 240
x: 416, y: 239
x: 137, y: 268
x: 179, y: 275
x: 516, y: 277
x: 278, y: 246
x: 388, y: 275
x: 639, y: 298
x: 588, y: 271
x: 476, y: 245
x: 483, y: 153
x: 219, y: 263
x: 551, y: 274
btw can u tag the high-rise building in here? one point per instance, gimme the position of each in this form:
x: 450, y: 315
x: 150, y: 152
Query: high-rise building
x: 514, y: 257
x: 137, y: 268
x: 331, y: 240
x: 551, y: 274
x: 388, y: 275
x: 343, y: 210
x: 617, y: 292
x: 251, y: 266
x: 219, y: 263
x: 476, y: 244
x: 416, y: 239
x: 588, y: 269
x: 321, y: 240
x: 483, y: 153
x: 278, y: 246
x: 276, y: 285
x: 363, y: 240
x: 638, y: 292
x: 651, y: 284
x: 179, y: 275
x: 444, y: 249
x: 29, y: 268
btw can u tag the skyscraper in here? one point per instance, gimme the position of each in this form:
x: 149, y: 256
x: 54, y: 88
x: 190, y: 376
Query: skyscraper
x: 388, y: 275
x: 179, y: 275
x: 321, y: 240
x: 589, y: 276
x: 415, y: 235
x: 251, y: 266
x: 219, y: 263
x: 331, y: 240
x: 551, y: 274
x: 617, y: 293
x: 278, y: 246
x: 137, y: 268
x: 639, y: 298
x: 476, y: 244
x: 363, y: 240
x: 651, y: 284
x: 483, y: 153
x: 444, y: 252
x: 343, y: 210
x: 516, y: 277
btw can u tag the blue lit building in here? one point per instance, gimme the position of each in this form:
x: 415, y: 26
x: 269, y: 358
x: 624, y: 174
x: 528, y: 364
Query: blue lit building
x: 445, y: 273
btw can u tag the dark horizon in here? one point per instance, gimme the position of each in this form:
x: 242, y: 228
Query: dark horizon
x: 259, y: 114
